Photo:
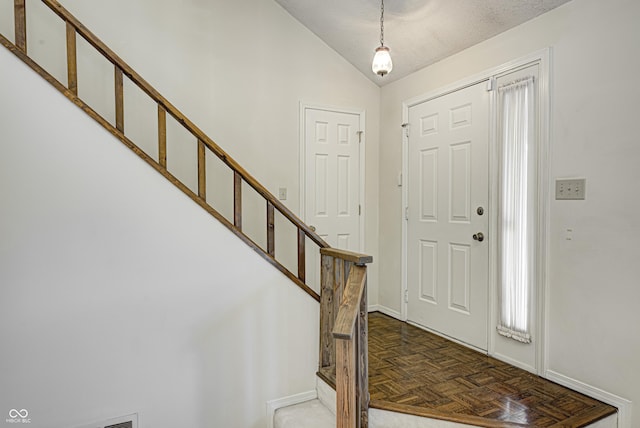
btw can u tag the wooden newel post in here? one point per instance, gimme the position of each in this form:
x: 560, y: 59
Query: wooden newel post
x: 328, y: 312
x: 362, y: 354
x: 343, y: 333
x: 346, y: 404
x: 352, y: 391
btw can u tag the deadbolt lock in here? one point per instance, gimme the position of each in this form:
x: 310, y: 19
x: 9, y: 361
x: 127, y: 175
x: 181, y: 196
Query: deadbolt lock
x: 480, y: 210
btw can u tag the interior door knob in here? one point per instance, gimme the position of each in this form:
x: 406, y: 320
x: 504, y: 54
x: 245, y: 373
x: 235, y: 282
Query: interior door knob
x: 313, y: 228
x: 478, y: 237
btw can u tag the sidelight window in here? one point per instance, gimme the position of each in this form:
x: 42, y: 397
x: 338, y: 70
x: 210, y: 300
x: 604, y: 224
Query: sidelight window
x: 516, y: 215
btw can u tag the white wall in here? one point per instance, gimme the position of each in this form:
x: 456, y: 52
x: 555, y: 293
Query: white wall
x: 119, y: 294
x: 202, y: 341
x: 239, y: 70
x: 593, y: 279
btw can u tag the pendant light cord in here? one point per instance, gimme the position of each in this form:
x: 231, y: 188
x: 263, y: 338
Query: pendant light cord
x: 382, y: 23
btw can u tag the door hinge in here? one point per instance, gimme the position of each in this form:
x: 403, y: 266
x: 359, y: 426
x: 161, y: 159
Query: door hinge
x: 359, y: 209
x: 406, y: 127
x: 406, y: 213
x: 360, y: 136
x: 406, y: 296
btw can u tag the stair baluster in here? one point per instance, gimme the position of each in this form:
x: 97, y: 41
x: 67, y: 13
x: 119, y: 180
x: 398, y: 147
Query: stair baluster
x: 20, y: 20
x: 343, y: 310
x: 72, y: 63
x: 204, y: 143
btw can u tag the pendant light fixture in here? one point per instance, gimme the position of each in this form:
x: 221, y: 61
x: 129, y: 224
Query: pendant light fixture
x: 382, y: 64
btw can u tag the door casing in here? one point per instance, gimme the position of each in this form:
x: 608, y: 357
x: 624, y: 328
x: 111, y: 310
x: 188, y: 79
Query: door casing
x: 304, y: 107
x: 454, y: 149
x: 542, y: 58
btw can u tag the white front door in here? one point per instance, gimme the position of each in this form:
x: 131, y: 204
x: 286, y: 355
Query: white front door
x: 332, y: 176
x: 447, y: 227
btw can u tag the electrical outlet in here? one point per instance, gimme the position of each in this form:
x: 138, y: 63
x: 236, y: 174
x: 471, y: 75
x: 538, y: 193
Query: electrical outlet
x: 568, y: 234
x: 573, y: 188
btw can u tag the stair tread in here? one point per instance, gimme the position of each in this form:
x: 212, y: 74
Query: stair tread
x: 310, y: 414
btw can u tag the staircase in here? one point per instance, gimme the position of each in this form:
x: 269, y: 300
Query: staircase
x: 342, y: 292
x: 343, y: 312
x: 166, y: 111
x: 321, y: 413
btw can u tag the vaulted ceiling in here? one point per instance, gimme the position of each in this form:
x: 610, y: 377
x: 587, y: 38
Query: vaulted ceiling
x: 418, y: 32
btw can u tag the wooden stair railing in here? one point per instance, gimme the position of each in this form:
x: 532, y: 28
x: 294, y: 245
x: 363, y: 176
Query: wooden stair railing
x: 343, y: 298
x: 204, y: 143
x: 343, y: 334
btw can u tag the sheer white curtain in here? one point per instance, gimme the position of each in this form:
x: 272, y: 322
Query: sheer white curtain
x: 516, y: 222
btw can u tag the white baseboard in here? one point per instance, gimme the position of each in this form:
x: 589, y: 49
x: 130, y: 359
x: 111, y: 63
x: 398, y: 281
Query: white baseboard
x: 624, y: 406
x: 514, y: 362
x: 384, y: 310
x: 279, y: 403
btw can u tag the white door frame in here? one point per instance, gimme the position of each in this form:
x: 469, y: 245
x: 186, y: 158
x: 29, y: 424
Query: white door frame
x: 361, y: 150
x: 542, y: 58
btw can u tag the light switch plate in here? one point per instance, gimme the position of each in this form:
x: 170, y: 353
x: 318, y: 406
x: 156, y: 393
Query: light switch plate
x: 282, y: 193
x: 571, y: 188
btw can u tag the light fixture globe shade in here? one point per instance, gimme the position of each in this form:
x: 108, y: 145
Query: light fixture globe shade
x: 382, y: 61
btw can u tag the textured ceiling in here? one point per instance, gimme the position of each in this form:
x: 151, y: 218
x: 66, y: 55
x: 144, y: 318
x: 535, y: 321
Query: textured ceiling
x: 418, y: 32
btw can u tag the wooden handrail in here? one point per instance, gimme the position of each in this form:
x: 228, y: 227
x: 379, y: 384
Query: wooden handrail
x: 343, y: 275
x: 181, y: 118
x: 350, y: 309
x: 349, y: 256
x: 121, y: 69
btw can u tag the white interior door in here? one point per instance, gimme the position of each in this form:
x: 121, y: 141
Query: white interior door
x: 332, y: 176
x: 447, y: 268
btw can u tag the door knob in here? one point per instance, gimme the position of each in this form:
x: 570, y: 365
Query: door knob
x: 478, y: 237
x: 313, y: 228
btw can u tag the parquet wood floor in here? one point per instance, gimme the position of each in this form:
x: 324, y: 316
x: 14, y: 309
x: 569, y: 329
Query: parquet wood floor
x: 417, y: 372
